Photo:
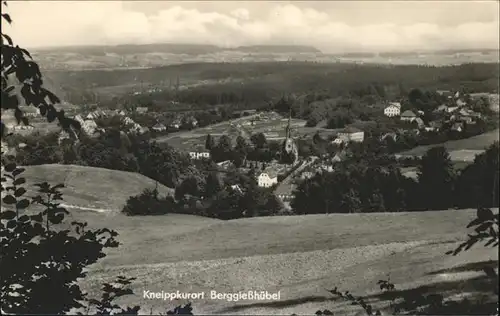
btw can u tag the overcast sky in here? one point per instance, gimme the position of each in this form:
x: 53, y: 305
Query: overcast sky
x: 328, y: 25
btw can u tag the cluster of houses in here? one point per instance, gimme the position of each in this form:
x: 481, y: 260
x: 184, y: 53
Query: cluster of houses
x: 178, y: 122
x: 455, y: 111
x: 91, y: 129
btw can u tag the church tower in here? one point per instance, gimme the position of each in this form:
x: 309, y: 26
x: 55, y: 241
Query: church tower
x: 290, y: 153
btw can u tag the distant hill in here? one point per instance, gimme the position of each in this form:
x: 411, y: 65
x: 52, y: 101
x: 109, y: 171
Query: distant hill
x: 90, y: 187
x: 171, y: 48
x: 127, y: 49
x: 277, y: 49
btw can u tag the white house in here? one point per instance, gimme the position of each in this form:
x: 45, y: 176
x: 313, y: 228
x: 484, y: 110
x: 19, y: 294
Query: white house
x: 441, y: 108
x: 306, y: 175
x: 451, y: 109
x: 457, y: 127
x: 267, y: 178
x: 159, y: 127
x: 351, y: 134
x: 89, y: 126
x: 460, y: 103
x: 393, y: 136
x: 176, y: 124
x: 408, y: 116
x: 394, y: 109
x: 236, y: 188
x: 337, y: 141
x: 199, y: 155
x: 445, y: 93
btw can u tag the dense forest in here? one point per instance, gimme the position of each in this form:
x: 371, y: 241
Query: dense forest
x: 253, y: 84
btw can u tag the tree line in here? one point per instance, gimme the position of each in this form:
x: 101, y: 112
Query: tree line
x: 376, y: 184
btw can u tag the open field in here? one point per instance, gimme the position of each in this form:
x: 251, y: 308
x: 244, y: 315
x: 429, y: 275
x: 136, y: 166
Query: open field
x: 299, y: 256
x: 90, y: 187
x: 462, y: 149
x: 273, y: 129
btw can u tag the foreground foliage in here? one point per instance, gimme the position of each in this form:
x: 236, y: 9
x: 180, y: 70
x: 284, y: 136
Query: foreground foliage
x: 42, y: 261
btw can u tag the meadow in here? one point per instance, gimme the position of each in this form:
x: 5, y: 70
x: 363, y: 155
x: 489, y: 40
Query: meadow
x: 274, y: 129
x: 463, y: 149
x: 92, y: 188
x: 300, y: 256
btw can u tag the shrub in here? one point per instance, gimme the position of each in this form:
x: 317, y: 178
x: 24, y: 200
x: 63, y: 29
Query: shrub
x: 148, y: 203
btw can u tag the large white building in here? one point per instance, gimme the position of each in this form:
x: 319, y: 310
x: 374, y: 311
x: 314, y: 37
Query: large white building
x: 199, y: 154
x: 351, y: 134
x: 394, y: 109
x: 267, y: 178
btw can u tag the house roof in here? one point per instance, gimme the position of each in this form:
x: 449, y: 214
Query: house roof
x: 444, y: 92
x: 464, y: 112
x: 390, y: 134
x: 396, y: 104
x: 272, y: 172
x: 408, y: 113
x: 392, y: 106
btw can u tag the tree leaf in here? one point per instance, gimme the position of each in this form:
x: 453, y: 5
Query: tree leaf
x: 7, y: 18
x: 24, y: 203
x: 8, y: 215
x: 10, y: 167
x: 56, y: 219
x: 19, y: 181
x: 19, y: 192
x: 9, y: 199
x: 37, y: 218
x: 485, y: 214
x: 475, y: 222
x: 17, y: 171
x: 58, y: 186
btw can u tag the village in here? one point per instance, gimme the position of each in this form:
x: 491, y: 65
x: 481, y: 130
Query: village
x: 184, y: 133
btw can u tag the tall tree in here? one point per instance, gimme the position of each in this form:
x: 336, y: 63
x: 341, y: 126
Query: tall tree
x: 259, y: 140
x: 213, y: 185
x: 209, y: 142
x: 477, y: 184
x: 436, y: 178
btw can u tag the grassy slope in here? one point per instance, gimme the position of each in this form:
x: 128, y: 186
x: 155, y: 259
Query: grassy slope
x: 91, y: 187
x: 472, y: 145
x: 299, y: 256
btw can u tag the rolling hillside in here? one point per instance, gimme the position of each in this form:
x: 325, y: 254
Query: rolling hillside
x: 92, y: 188
x: 299, y: 256
x: 460, y: 150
